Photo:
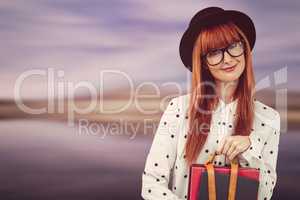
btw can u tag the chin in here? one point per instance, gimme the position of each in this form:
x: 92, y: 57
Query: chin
x: 228, y: 77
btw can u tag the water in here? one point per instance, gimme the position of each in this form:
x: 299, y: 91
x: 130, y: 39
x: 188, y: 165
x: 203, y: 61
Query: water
x: 49, y: 160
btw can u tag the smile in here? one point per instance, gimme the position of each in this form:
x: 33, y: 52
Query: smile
x: 229, y: 69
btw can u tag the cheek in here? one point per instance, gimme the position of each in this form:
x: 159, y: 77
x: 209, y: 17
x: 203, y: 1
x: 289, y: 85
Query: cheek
x: 242, y: 63
x: 240, y: 69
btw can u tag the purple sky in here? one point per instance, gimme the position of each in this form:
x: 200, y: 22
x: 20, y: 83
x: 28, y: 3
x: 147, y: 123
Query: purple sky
x: 139, y: 38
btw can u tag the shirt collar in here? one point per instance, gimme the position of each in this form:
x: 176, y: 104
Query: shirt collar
x: 229, y: 106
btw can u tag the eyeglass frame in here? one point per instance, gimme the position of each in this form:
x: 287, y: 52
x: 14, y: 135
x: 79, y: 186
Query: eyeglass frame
x: 203, y: 57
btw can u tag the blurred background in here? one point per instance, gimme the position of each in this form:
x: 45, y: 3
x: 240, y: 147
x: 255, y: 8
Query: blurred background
x: 84, y: 83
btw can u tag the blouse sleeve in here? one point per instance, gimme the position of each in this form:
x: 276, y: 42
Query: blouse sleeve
x: 161, y: 157
x: 262, y: 154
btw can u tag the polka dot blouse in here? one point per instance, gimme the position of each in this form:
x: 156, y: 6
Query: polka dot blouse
x: 166, y: 173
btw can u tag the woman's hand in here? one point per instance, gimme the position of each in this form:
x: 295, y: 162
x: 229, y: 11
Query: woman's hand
x: 231, y: 146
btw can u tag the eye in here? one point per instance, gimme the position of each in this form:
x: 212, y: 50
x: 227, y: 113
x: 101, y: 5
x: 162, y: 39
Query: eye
x: 214, y: 52
x: 235, y: 44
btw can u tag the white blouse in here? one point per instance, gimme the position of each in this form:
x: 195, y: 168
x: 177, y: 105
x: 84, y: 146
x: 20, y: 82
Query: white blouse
x: 166, y: 173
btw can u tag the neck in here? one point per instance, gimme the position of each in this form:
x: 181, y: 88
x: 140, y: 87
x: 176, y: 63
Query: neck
x: 225, y: 90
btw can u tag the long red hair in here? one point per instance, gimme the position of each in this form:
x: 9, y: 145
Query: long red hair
x: 200, y: 113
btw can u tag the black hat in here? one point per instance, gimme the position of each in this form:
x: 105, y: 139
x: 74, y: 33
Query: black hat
x: 208, y: 17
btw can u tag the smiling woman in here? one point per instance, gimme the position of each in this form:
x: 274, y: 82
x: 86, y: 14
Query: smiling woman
x: 220, y: 116
x: 237, y: 84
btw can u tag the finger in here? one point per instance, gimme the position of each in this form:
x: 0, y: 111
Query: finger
x: 243, y: 145
x: 234, y: 154
x: 226, y: 146
x: 221, y: 145
x: 246, y: 145
x: 231, y: 149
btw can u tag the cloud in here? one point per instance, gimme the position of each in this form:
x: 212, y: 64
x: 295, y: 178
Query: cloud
x: 140, y: 38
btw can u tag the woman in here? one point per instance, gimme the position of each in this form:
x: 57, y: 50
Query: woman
x: 224, y: 119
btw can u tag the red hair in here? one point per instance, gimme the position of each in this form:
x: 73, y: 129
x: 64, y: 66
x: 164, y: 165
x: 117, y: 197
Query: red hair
x: 199, y: 121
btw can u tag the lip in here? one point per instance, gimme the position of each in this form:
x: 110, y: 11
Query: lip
x: 229, y: 69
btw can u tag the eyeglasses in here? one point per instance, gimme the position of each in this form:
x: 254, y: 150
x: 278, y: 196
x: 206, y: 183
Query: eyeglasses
x: 215, y: 56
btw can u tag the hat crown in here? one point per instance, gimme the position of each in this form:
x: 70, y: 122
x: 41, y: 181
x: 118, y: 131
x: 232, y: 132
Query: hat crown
x: 204, y: 13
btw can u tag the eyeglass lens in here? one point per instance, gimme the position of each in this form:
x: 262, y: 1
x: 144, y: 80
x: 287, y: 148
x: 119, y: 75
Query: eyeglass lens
x: 216, y: 56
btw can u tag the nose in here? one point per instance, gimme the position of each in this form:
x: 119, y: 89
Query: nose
x: 227, y: 57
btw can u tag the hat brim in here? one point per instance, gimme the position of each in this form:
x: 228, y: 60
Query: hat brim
x: 189, y: 37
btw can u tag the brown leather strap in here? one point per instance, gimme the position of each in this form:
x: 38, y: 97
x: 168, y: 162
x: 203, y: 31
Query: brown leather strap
x: 233, y: 179
x: 210, y: 159
x: 211, y: 182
